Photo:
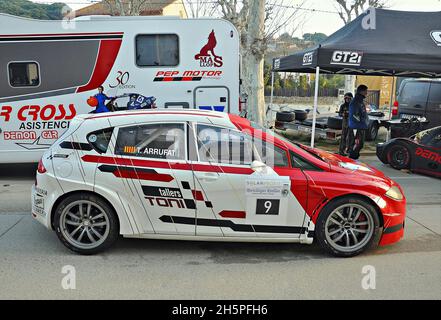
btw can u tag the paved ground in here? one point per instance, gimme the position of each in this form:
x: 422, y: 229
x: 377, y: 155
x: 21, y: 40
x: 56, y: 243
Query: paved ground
x: 31, y: 259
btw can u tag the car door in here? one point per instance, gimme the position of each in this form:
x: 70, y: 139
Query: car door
x: 152, y: 158
x: 433, y: 111
x: 240, y: 202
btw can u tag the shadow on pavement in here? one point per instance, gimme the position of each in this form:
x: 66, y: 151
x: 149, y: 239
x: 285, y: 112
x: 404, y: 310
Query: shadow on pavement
x: 18, y: 171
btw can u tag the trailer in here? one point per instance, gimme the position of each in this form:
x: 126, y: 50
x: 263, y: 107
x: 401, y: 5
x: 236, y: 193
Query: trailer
x: 48, y: 70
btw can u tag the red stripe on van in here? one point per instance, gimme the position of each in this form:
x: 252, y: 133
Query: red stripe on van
x: 106, y: 58
x: 110, y: 114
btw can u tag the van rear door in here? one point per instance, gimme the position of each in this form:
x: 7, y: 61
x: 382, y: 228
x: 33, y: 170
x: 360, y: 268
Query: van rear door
x: 433, y: 110
x: 413, y: 99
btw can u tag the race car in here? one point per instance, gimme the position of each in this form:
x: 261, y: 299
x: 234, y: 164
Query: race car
x: 419, y: 153
x: 207, y: 175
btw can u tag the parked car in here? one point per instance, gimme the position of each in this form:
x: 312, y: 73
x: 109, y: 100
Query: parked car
x: 206, y: 175
x: 419, y: 153
x: 417, y: 98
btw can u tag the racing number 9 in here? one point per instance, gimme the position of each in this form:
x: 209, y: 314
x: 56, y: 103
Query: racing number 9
x: 267, y: 206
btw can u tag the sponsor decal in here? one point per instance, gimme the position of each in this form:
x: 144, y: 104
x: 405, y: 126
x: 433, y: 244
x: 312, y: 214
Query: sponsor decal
x: 19, y: 135
x: 35, y: 145
x: 276, y: 63
x: 45, y: 113
x: 129, y: 149
x: 188, y: 75
x: 307, y: 58
x: 347, y: 58
x: 167, y: 197
x: 206, y: 56
x: 50, y: 134
x: 436, y: 36
x: 427, y: 154
x: 121, y: 81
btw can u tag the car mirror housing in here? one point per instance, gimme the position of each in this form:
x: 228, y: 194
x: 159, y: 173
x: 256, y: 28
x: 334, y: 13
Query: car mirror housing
x: 261, y: 168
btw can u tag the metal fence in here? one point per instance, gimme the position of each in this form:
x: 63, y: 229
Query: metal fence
x: 300, y: 92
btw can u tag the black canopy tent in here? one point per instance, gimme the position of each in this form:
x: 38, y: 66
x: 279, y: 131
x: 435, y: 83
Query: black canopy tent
x: 379, y: 42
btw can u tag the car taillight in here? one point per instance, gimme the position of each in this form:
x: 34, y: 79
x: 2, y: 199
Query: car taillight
x: 395, y: 108
x: 41, y: 169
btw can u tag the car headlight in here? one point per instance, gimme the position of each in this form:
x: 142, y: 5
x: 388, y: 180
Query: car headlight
x: 395, y: 193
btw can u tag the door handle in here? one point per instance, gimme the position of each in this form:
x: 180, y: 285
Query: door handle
x: 207, y: 176
x: 418, y: 106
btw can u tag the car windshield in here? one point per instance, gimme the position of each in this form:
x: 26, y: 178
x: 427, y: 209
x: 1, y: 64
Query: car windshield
x: 285, y: 140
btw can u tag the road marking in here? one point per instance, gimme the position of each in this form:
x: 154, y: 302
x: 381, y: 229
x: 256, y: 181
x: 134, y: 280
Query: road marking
x: 10, y: 228
x: 422, y: 225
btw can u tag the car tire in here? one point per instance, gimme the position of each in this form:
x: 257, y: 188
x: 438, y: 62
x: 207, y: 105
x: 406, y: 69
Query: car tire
x: 365, y: 219
x: 372, y: 132
x: 335, y: 123
x: 301, y: 115
x: 285, y: 116
x: 398, y: 156
x: 92, y: 217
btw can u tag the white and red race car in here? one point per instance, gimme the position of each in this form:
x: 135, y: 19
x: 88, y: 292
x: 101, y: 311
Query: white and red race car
x: 205, y: 175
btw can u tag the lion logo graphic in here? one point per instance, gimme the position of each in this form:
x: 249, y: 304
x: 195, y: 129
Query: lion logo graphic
x: 206, y: 55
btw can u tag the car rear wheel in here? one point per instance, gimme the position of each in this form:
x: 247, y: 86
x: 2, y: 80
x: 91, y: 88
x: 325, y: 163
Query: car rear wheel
x: 398, y: 157
x: 372, y: 132
x: 86, y: 224
x: 348, y: 226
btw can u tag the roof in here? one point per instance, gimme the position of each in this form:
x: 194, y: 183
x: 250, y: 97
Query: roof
x: 151, y: 8
x: 399, y: 43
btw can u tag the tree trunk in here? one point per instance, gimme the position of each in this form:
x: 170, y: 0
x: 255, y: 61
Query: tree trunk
x: 252, y: 84
x: 253, y: 48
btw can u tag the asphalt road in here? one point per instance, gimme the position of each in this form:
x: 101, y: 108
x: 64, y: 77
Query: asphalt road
x: 32, y: 258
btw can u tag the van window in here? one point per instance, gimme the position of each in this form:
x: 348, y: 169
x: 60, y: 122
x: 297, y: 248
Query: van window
x: 157, y: 141
x: 24, y: 74
x: 414, y: 91
x: 435, y: 92
x: 154, y: 50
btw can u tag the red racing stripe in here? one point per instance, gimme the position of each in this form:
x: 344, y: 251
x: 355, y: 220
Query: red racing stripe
x: 233, y: 214
x: 143, y: 175
x: 167, y: 165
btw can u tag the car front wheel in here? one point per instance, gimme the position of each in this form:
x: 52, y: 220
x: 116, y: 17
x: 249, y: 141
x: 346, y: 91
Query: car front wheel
x: 398, y: 157
x: 85, y: 223
x: 348, y: 226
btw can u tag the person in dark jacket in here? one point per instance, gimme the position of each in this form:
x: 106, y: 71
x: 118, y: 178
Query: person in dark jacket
x: 344, y: 113
x: 101, y: 97
x: 357, y: 122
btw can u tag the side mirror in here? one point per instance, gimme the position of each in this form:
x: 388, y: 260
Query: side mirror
x: 261, y: 168
x: 258, y: 166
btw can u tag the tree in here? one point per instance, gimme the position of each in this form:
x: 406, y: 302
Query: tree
x: 127, y: 7
x: 257, y: 22
x: 24, y: 8
x: 200, y: 8
x: 315, y: 38
x: 349, y: 9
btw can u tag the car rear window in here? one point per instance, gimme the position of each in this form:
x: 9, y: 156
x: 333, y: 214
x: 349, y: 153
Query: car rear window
x: 100, y: 139
x: 414, y: 91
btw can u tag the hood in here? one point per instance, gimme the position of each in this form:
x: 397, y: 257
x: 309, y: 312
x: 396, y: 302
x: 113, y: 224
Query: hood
x: 338, y: 163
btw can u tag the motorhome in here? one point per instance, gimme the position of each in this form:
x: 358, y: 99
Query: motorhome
x: 49, y: 69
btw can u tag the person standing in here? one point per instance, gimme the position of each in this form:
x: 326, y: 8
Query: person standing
x: 357, y: 122
x: 101, y: 97
x: 344, y: 113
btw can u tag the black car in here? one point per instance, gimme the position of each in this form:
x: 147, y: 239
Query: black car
x: 417, y: 98
x: 419, y: 153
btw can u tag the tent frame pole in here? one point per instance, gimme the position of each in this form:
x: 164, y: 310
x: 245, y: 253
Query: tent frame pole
x: 314, y: 116
x: 391, y: 102
x: 272, y: 90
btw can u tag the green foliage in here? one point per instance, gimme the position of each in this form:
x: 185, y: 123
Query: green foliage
x: 28, y: 9
x: 316, y: 38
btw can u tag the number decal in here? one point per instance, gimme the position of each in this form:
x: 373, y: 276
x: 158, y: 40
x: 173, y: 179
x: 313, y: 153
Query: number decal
x: 121, y: 79
x: 268, y: 206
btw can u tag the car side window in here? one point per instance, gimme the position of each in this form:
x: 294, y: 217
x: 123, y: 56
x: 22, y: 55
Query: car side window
x: 415, y: 91
x: 270, y: 154
x: 300, y: 163
x: 100, y: 139
x: 157, y: 141
x: 221, y: 145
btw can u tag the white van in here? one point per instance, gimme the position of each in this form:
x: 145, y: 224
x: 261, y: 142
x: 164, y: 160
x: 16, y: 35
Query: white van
x: 49, y: 69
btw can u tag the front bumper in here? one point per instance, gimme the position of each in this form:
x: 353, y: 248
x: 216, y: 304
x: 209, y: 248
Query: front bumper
x: 394, y: 215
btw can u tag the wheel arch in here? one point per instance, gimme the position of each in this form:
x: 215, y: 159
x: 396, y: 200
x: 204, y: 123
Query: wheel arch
x: 64, y: 196
x: 352, y: 195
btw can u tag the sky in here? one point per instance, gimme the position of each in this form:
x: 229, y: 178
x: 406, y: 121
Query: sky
x: 319, y: 21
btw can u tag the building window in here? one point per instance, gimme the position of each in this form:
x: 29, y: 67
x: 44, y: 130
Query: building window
x: 154, y: 50
x: 24, y: 74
